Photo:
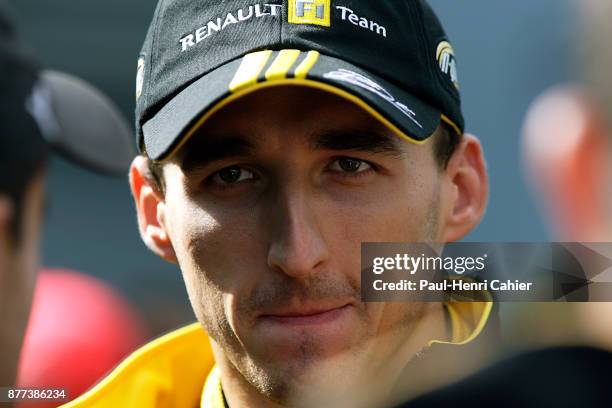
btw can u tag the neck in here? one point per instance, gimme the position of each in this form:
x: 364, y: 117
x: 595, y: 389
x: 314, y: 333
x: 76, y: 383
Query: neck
x: 431, y: 326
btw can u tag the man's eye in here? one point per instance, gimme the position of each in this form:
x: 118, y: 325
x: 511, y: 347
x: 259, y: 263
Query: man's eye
x: 232, y: 175
x: 350, y: 165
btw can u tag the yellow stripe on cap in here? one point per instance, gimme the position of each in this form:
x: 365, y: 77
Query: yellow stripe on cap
x: 451, y: 124
x: 249, y: 70
x: 305, y: 66
x: 282, y: 64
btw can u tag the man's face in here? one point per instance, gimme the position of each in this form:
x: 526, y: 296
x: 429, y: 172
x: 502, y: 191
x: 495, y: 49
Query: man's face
x: 266, y: 208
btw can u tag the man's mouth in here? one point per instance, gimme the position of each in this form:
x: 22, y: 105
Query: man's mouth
x: 306, y: 316
x: 325, y: 326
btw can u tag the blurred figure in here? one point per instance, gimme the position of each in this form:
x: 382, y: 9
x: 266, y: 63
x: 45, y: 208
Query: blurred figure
x: 567, y: 138
x: 40, y: 110
x: 567, y: 146
x: 79, y: 328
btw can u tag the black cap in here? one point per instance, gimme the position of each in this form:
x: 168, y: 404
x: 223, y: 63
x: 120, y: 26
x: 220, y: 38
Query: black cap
x: 391, y: 57
x: 41, y: 109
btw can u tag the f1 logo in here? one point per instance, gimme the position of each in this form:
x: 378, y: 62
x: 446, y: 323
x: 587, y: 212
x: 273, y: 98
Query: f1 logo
x: 316, y: 12
x: 306, y: 5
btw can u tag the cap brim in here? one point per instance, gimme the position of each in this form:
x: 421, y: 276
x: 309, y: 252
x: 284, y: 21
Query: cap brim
x: 400, y: 111
x: 81, y: 123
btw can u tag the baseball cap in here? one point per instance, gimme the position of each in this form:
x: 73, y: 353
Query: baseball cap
x: 42, y: 109
x: 392, y: 58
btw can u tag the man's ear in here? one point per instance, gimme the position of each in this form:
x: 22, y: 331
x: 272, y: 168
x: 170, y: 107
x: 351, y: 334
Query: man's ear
x: 466, y: 190
x: 566, y: 152
x: 151, y: 210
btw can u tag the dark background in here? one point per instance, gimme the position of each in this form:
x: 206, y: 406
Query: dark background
x: 508, y: 52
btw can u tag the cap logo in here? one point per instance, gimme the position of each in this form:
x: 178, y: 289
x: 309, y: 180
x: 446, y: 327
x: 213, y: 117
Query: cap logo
x: 227, y: 20
x: 140, y: 77
x: 349, y: 15
x: 446, y: 60
x: 364, y: 82
x: 317, y: 12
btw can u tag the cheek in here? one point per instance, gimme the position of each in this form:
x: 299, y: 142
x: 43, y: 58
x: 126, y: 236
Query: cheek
x: 208, y: 241
x: 399, y: 209
x: 216, y: 252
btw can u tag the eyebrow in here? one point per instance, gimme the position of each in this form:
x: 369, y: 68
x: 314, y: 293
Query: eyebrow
x: 357, y: 140
x: 202, y: 150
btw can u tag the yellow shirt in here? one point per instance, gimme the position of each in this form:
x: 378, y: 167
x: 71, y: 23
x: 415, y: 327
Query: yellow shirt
x: 178, y: 370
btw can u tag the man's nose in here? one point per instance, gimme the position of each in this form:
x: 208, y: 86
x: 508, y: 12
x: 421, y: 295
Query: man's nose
x: 297, y: 246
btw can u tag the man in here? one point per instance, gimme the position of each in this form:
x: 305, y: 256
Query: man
x: 275, y: 138
x: 40, y: 110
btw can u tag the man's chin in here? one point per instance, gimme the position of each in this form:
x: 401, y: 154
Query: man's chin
x: 323, y: 385
x: 296, y: 387
x: 311, y: 377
